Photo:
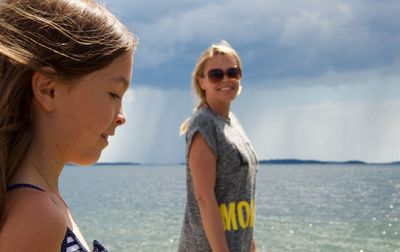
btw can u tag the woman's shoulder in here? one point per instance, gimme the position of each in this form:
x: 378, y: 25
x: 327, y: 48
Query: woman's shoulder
x: 32, y: 215
x: 202, y: 117
x: 202, y: 112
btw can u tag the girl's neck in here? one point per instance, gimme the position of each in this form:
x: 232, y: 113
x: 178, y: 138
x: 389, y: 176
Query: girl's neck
x: 49, y: 176
x: 40, y: 172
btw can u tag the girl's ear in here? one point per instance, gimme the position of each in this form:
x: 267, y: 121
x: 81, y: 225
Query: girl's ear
x: 43, y: 88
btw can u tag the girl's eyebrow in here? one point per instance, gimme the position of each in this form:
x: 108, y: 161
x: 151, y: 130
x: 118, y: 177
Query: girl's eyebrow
x: 122, y: 80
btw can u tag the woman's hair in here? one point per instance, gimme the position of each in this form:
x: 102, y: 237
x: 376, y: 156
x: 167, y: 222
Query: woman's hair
x: 221, y: 48
x: 70, y: 37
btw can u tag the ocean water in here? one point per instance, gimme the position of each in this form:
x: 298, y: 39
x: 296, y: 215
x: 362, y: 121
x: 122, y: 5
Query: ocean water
x: 308, y: 208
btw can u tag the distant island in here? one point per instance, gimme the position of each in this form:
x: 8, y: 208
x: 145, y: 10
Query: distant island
x: 319, y: 162
x: 293, y: 161
x: 117, y: 163
x: 109, y: 163
x: 300, y: 161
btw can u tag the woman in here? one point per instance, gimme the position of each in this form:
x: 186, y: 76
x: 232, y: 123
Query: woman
x: 222, y: 165
x: 65, y: 66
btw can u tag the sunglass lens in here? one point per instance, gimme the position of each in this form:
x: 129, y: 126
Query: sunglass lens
x: 215, y: 75
x: 233, y: 73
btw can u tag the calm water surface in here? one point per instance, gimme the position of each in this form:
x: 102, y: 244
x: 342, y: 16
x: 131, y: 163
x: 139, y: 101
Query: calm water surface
x: 299, y: 207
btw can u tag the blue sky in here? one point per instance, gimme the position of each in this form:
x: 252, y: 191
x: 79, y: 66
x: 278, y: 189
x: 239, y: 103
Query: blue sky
x: 321, y: 79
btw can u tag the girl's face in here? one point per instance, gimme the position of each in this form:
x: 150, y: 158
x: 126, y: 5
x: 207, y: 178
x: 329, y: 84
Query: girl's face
x: 90, y: 110
x: 221, y: 81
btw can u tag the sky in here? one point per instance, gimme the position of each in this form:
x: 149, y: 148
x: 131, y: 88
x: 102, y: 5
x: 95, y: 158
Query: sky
x: 321, y: 79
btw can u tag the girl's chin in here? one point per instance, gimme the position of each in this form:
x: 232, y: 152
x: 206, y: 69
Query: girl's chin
x: 86, y: 161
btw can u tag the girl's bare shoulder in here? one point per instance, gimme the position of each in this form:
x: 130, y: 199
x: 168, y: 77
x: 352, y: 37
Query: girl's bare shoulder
x: 33, y: 222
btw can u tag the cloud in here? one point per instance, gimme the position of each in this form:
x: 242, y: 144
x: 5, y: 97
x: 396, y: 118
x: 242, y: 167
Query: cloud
x: 383, y: 77
x: 320, y: 78
x: 275, y: 39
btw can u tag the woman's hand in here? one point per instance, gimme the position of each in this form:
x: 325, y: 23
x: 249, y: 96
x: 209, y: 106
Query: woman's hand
x: 253, y: 246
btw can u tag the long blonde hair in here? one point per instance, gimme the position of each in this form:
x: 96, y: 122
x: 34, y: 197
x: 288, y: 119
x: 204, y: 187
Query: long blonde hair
x: 73, y: 37
x: 221, y: 48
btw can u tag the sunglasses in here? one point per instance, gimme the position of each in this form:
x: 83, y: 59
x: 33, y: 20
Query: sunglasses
x: 216, y: 75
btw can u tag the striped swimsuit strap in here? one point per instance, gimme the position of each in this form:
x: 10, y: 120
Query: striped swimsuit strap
x: 70, y: 243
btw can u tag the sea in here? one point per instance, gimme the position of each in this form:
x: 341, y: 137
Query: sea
x: 302, y: 208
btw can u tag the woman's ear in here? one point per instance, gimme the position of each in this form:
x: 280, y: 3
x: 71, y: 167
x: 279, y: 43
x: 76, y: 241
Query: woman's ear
x: 201, y: 82
x: 43, y: 89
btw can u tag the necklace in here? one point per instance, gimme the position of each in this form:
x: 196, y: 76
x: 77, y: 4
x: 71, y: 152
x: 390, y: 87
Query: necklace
x: 48, y: 184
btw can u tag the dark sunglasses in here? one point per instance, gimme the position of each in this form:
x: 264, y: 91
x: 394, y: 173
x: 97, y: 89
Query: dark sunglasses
x: 216, y: 75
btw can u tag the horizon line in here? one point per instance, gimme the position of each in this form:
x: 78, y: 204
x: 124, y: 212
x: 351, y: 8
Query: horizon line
x: 262, y: 161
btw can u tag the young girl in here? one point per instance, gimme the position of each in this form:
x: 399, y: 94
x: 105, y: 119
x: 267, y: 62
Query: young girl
x: 222, y: 165
x: 64, y: 68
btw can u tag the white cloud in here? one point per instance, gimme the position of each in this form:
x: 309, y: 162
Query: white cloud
x: 384, y: 78
x: 276, y: 40
x: 334, y: 25
x: 212, y: 21
x: 327, y: 25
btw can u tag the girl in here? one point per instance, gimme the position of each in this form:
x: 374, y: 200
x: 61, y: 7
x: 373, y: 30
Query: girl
x: 64, y: 68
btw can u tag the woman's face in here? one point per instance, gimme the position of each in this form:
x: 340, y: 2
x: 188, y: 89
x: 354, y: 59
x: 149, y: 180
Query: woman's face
x: 221, y: 89
x: 90, y: 110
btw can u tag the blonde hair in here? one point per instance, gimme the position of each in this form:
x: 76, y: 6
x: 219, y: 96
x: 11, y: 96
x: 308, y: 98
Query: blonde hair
x: 73, y: 37
x: 221, y: 48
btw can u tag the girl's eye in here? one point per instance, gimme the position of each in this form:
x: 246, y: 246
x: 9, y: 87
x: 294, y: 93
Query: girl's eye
x: 115, y: 96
